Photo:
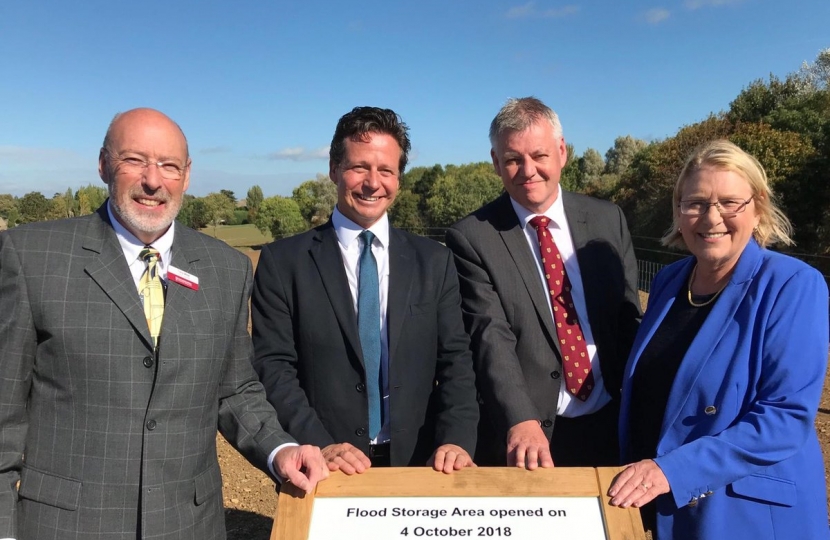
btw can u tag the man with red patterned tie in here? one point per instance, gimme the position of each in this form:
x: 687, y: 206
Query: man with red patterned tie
x: 549, y: 289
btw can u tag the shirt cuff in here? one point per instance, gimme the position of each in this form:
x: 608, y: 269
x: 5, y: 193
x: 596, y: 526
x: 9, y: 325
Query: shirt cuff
x: 271, y: 457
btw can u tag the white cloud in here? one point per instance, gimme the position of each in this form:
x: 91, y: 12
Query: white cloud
x: 656, y: 15
x: 564, y: 11
x: 23, y: 155
x: 299, y: 153
x: 517, y: 12
x: 697, y: 4
x: 529, y: 10
x: 215, y: 150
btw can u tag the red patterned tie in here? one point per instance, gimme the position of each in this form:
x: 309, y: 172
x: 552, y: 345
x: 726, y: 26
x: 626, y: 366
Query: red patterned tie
x: 576, y: 362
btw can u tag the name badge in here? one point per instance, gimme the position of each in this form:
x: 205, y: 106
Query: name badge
x: 181, y: 277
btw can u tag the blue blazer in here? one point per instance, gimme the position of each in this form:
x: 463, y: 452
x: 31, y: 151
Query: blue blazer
x: 738, y: 443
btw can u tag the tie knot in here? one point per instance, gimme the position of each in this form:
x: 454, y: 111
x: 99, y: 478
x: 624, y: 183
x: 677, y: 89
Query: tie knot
x: 539, y: 222
x: 368, y: 237
x: 149, y: 255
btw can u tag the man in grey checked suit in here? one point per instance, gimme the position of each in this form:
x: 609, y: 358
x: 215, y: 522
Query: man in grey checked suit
x: 103, y: 435
x: 528, y: 416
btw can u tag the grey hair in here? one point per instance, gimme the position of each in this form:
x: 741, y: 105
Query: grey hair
x: 518, y: 114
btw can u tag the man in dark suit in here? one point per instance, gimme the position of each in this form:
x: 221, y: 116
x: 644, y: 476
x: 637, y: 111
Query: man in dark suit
x: 358, y: 336
x: 107, y: 419
x: 549, y: 342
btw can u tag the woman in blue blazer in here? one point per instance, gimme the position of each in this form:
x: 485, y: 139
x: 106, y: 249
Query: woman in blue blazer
x: 724, y: 379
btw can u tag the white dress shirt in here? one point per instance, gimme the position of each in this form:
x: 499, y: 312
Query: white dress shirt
x: 567, y: 405
x: 351, y: 245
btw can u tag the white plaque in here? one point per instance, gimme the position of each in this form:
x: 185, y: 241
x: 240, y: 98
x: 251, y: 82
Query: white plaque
x: 402, y: 518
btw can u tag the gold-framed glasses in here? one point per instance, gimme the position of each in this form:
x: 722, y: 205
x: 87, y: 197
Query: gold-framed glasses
x: 134, y: 164
x: 726, y: 207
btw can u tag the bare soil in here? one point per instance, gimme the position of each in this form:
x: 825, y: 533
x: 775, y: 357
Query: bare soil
x: 251, y: 499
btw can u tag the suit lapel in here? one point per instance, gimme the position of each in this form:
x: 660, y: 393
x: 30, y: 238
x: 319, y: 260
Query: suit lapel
x: 710, y: 333
x: 326, y: 255
x: 185, y: 254
x: 580, y: 236
x: 111, y: 272
x: 516, y: 242
x: 401, y: 257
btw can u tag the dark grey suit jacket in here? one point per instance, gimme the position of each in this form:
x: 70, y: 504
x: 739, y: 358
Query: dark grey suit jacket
x: 104, y: 438
x: 308, y: 355
x: 515, y: 349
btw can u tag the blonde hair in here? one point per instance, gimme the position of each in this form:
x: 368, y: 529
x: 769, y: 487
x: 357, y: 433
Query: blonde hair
x: 773, y: 226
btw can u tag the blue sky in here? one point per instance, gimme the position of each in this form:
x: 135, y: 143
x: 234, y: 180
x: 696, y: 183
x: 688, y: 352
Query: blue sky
x: 258, y: 86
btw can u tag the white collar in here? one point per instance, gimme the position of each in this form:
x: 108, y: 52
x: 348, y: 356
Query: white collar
x: 556, y: 211
x: 348, y: 231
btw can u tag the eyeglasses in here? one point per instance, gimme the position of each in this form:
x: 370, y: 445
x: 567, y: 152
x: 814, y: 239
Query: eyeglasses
x: 136, y: 164
x: 726, y: 207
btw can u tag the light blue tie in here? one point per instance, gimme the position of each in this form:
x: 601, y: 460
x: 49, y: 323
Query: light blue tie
x: 368, y: 324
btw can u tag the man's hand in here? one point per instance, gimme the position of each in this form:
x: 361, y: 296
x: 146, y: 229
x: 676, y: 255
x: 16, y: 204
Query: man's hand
x: 638, y: 484
x: 303, y: 466
x: 527, y: 446
x: 449, y: 458
x: 345, y: 457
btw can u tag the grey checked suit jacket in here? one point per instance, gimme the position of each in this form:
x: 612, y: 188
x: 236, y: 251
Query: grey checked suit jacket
x: 515, y: 349
x: 105, y: 439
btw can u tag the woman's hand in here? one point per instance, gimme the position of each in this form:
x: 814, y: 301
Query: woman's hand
x: 638, y: 484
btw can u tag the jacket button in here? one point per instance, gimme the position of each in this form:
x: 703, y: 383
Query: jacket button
x: 360, y: 432
x: 360, y: 387
x: 554, y: 375
x: 151, y: 425
x: 710, y: 410
x: 148, y: 361
x: 547, y: 422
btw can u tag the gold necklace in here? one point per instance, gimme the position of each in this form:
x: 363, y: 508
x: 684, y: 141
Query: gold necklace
x: 689, y: 294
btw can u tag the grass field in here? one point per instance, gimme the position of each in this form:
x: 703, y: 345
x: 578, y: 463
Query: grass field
x: 242, y: 237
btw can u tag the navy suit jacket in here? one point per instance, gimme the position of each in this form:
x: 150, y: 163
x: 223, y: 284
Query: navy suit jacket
x: 308, y: 354
x: 738, y: 444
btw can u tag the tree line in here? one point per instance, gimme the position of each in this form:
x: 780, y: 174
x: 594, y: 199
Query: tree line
x: 784, y: 122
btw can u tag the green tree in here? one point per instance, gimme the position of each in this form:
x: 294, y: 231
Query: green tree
x: 229, y: 194
x: 218, y: 209
x: 90, y: 198
x: 8, y: 210
x: 193, y: 213
x: 570, y: 178
x: 591, y: 166
x: 620, y: 156
x: 33, y: 207
x: 316, y: 199
x: 62, y: 205
x: 253, y: 200
x: 280, y: 216
x: 405, y: 213
x: 461, y: 190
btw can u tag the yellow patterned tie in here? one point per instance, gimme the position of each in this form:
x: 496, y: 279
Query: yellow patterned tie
x: 152, y: 293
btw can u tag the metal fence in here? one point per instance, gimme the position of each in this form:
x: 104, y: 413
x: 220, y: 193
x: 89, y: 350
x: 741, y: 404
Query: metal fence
x: 646, y: 270
x: 651, y: 260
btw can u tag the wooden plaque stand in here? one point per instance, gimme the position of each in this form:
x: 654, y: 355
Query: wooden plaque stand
x: 293, y: 516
